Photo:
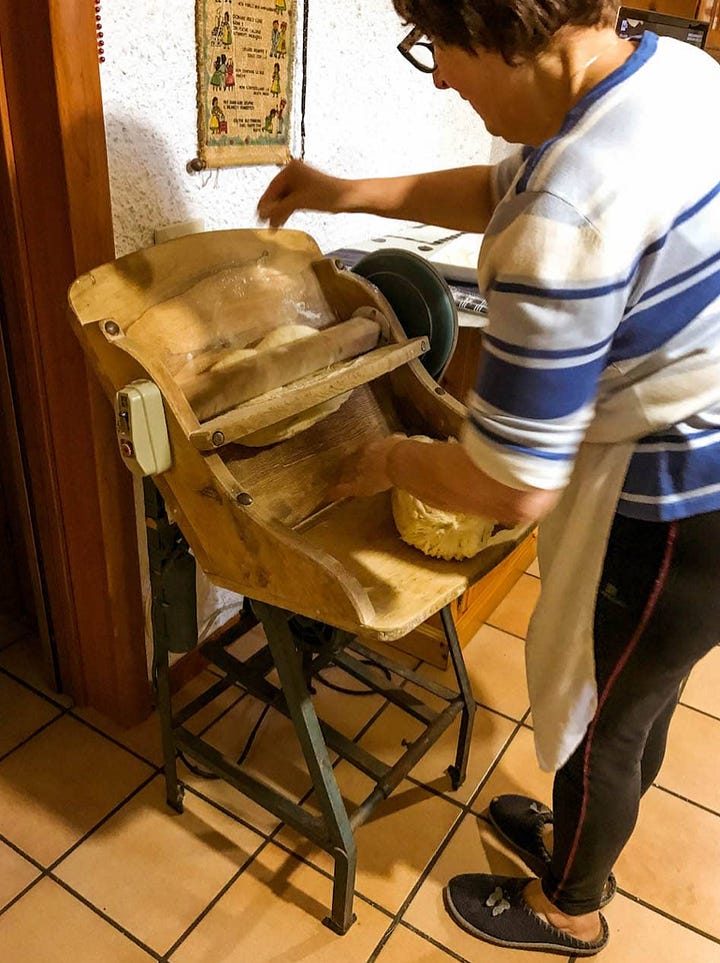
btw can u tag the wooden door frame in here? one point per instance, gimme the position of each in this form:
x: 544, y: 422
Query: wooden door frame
x: 56, y: 214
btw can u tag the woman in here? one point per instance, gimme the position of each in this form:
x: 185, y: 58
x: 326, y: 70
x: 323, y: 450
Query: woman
x: 596, y: 411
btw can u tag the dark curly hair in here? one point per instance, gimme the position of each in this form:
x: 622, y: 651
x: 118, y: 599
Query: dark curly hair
x: 516, y: 29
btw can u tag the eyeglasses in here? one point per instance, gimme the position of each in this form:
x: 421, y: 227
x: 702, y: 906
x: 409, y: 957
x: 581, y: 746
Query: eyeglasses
x: 420, y: 52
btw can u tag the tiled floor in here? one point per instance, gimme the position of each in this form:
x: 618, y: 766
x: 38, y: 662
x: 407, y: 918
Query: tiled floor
x: 94, y: 868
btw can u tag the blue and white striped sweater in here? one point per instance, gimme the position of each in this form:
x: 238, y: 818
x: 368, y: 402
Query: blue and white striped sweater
x: 601, y: 264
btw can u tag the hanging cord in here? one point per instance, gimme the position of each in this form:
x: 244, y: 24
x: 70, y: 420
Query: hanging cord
x: 303, y: 93
x: 355, y: 692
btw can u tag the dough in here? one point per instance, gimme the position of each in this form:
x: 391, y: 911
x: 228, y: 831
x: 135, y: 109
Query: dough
x: 440, y: 534
x: 286, y: 334
x: 289, y: 427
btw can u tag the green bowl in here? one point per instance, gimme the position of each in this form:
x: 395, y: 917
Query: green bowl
x: 421, y: 299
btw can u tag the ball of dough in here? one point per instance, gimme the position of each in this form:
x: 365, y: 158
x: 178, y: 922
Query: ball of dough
x: 440, y: 534
x: 289, y: 427
x: 286, y: 334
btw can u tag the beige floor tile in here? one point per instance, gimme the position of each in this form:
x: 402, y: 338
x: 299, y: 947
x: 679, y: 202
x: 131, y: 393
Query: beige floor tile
x: 495, y: 663
x: 385, y: 737
x: 48, y: 925
x: 473, y: 849
x: 694, y: 739
x: 405, y: 945
x: 58, y: 785
x: 153, y: 870
x: 273, y: 914
x: 22, y: 713
x: 397, y: 843
x: 534, y: 569
x: 24, y: 659
x: 275, y: 758
x: 517, y: 772
x: 15, y: 874
x: 344, y: 712
x: 703, y: 688
x: 513, y: 613
x: 145, y: 738
x: 672, y: 858
x: 638, y: 935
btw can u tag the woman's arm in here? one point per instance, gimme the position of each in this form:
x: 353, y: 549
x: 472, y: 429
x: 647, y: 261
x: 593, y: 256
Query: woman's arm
x: 443, y: 475
x: 459, y: 199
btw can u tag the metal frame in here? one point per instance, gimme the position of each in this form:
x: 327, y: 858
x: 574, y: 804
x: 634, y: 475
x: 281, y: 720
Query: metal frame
x: 296, y: 664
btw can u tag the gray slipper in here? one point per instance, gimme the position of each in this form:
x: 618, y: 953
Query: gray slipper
x: 519, y: 821
x: 493, y: 908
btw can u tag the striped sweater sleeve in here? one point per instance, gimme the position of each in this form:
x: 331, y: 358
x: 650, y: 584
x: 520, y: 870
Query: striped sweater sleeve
x: 555, y: 296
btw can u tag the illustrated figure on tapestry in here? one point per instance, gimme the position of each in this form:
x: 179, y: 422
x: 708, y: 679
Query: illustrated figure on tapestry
x: 280, y: 117
x: 268, y: 125
x: 282, y: 40
x: 226, y: 30
x: 218, y: 124
x: 274, y: 38
x: 230, y: 75
x: 218, y: 78
x: 275, y: 84
x: 280, y: 6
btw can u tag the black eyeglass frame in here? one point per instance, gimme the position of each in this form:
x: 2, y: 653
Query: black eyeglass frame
x: 414, y: 39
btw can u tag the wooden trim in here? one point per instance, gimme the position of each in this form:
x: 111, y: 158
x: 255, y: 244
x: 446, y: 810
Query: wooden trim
x: 55, y: 203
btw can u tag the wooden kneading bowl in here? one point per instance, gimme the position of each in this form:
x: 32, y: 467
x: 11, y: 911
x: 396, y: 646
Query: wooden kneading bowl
x: 258, y: 520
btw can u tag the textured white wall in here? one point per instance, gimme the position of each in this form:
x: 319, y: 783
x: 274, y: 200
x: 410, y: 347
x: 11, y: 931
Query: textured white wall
x: 368, y: 113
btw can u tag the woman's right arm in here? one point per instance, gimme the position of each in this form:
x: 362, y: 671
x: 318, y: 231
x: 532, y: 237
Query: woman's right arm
x: 460, y: 199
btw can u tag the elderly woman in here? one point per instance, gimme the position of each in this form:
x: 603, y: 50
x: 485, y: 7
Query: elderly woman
x: 596, y: 408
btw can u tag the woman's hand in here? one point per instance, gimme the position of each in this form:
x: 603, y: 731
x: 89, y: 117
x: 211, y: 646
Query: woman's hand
x: 366, y: 471
x: 301, y: 188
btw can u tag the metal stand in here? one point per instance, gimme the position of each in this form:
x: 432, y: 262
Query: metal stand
x: 299, y: 649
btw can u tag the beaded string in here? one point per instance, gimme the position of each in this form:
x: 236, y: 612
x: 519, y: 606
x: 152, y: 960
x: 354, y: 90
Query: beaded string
x: 99, y: 32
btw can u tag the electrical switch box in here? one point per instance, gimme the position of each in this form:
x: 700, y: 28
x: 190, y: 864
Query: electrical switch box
x: 142, y: 429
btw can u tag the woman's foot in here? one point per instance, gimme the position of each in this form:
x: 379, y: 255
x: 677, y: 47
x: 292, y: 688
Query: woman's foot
x: 586, y: 927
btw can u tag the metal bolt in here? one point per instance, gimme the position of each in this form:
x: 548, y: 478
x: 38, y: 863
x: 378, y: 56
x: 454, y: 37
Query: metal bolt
x: 244, y: 498
x: 439, y: 390
x: 112, y: 328
x: 423, y: 345
x: 218, y: 438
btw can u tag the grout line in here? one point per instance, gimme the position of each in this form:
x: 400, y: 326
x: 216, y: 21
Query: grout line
x: 431, y: 939
x: 101, y: 822
x: 668, y: 916
x: 444, y: 843
x: 108, y: 919
x: 701, y: 712
x: 36, y: 732
x: 209, y: 726
x: 23, y: 892
x: 686, y: 799
x: 499, y: 628
x: 116, y: 742
x: 216, y: 899
x: 38, y: 692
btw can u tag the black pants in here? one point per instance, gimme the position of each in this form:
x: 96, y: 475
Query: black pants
x: 657, y: 614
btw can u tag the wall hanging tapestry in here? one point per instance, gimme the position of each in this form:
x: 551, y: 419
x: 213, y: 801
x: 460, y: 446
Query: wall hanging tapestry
x: 245, y: 80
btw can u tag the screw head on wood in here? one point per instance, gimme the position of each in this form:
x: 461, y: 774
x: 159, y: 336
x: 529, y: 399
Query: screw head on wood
x: 244, y: 498
x: 218, y: 438
x: 112, y: 328
x: 423, y: 345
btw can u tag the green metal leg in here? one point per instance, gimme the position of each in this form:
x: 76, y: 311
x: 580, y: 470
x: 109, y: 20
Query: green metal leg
x: 173, y: 790
x: 458, y: 772
x: 288, y: 662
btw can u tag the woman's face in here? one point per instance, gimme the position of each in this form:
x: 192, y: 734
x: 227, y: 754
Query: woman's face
x: 498, y: 92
